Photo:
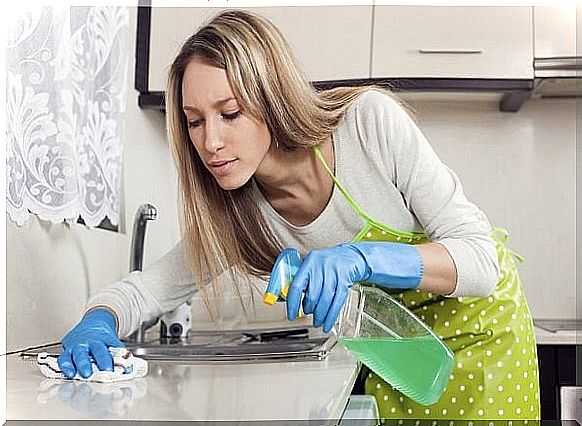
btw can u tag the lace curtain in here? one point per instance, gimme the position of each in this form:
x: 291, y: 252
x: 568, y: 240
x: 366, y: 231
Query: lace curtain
x: 65, y: 94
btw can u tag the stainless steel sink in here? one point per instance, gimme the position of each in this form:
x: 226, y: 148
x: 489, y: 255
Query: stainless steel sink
x: 240, y: 346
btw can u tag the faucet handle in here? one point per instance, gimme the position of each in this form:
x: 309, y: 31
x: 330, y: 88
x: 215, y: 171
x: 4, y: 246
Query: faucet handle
x: 146, y: 211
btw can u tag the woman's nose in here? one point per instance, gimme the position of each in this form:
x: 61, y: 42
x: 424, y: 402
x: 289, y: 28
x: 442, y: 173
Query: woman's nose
x: 213, y: 141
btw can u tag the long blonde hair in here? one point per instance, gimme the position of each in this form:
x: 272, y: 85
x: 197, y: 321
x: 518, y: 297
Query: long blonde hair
x: 224, y: 229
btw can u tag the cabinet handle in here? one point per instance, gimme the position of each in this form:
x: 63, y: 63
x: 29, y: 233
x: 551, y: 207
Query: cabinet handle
x: 451, y: 51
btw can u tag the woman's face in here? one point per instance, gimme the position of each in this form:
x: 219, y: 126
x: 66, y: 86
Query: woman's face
x: 232, y: 145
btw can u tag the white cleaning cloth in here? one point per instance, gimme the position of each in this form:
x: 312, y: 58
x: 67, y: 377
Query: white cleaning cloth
x: 125, y: 367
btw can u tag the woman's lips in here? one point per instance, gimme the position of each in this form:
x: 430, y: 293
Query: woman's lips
x: 221, y: 168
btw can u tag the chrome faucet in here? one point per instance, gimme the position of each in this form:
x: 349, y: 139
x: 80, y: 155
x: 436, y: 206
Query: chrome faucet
x: 144, y: 213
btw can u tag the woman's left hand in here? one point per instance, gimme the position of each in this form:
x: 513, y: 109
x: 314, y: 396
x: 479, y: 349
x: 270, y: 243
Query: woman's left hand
x: 327, y: 274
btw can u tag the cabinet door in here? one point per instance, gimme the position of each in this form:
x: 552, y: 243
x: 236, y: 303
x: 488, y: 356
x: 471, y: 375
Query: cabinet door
x: 453, y: 42
x: 554, y: 31
x: 329, y: 42
x: 571, y: 403
x: 169, y: 28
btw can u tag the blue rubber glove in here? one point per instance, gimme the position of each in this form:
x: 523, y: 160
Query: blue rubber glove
x: 327, y: 274
x: 91, y: 337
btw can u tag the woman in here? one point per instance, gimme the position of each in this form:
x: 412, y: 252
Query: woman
x: 347, y: 178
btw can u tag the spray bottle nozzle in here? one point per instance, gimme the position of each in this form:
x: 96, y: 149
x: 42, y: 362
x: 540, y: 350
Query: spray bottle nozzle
x: 285, y: 268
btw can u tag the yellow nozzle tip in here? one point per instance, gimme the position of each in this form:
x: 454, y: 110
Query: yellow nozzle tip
x: 270, y: 298
x: 285, y: 291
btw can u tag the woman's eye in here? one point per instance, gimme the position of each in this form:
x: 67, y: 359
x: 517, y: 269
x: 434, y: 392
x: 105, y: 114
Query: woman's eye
x: 231, y: 116
x: 194, y: 123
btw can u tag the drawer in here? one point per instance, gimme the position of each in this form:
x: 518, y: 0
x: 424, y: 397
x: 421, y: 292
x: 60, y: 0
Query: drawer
x: 453, y: 42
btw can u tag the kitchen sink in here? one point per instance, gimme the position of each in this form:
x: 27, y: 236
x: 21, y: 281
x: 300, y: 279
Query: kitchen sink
x: 238, y: 346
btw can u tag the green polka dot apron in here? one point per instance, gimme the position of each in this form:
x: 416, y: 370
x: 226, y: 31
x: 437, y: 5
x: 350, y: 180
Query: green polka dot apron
x: 495, y: 376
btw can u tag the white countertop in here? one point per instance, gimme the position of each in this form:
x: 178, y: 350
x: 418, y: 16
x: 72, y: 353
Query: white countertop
x: 561, y: 337
x: 297, y: 390
x: 291, y: 390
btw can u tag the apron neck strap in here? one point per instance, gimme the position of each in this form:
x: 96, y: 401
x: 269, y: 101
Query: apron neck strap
x: 349, y: 199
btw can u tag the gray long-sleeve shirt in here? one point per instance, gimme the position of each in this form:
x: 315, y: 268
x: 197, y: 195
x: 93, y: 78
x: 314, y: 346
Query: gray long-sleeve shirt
x: 387, y: 166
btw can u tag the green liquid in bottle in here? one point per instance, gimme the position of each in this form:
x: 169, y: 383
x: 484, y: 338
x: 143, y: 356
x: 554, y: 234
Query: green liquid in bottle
x: 418, y: 367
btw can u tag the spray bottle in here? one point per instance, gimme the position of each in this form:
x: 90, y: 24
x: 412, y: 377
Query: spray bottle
x: 286, y: 267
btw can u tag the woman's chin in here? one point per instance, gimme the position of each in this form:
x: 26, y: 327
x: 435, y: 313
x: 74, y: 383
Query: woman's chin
x: 228, y: 183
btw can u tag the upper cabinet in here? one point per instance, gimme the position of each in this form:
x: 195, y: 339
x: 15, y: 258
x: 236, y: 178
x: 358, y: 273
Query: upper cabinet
x: 556, y: 62
x: 417, y: 48
x: 489, y: 42
x: 329, y: 42
x: 554, y: 31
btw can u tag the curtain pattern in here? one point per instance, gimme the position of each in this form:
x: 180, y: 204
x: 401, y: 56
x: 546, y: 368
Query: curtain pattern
x: 65, y: 93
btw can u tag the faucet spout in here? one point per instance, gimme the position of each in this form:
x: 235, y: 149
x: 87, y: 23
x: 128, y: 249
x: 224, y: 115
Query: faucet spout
x: 144, y: 213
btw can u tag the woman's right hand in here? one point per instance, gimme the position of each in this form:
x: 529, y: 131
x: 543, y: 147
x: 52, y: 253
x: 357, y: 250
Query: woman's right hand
x: 91, y: 337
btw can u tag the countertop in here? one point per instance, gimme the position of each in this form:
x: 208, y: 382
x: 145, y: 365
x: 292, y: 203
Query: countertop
x: 292, y: 390
x: 559, y: 337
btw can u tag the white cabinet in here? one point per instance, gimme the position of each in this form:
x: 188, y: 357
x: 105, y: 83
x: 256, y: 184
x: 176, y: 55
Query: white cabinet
x: 489, y: 42
x: 571, y: 403
x: 169, y: 28
x: 329, y: 42
x: 555, y: 49
x: 554, y: 31
x: 424, y: 48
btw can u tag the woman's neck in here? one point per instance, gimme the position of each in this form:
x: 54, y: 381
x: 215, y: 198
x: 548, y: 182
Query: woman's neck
x: 296, y: 184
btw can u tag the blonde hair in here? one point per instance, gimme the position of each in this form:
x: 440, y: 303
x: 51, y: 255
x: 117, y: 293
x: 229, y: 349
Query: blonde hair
x: 224, y: 229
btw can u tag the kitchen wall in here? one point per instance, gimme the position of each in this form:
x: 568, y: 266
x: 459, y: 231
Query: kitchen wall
x: 518, y: 167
